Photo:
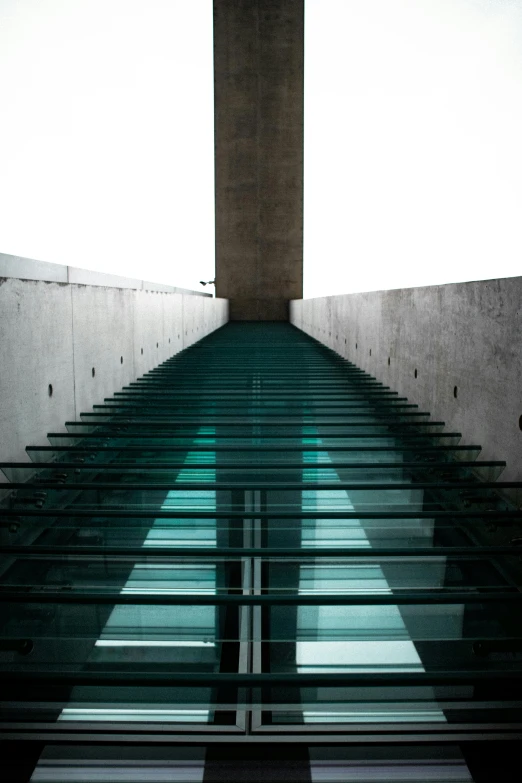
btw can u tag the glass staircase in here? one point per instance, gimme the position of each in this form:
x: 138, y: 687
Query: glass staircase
x: 259, y: 542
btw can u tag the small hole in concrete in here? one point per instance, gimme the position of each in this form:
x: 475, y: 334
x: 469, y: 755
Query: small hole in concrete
x: 370, y: 351
x: 157, y: 345
x: 455, y: 392
x: 169, y: 340
x: 121, y: 359
x: 389, y: 361
x: 50, y: 390
x: 93, y: 372
x: 415, y: 373
x: 142, y: 351
x: 345, y: 340
x: 355, y: 346
x: 520, y: 422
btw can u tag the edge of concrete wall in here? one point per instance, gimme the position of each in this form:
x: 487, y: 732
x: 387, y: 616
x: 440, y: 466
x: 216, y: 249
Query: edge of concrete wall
x: 66, y: 346
x: 455, y: 350
x: 30, y: 269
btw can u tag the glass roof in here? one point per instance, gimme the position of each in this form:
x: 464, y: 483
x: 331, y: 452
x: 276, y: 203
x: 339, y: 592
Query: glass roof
x: 257, y: 538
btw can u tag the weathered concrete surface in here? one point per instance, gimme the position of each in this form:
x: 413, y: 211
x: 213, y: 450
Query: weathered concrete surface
x: 258, y: 89
x: 57, y: 334
x: 465, y: 337
x: 29, y: 269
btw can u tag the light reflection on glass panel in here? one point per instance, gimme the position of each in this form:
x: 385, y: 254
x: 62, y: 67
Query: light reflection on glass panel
x: 405, y: 764
x: 181, y: 635
x: 385, y: 645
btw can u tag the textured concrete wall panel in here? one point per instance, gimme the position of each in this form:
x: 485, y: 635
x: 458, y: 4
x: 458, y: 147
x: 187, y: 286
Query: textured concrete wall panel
x: 157, y: 329
x: 100, y: 341
x: 455, y: 350
x: 56, y: 334
x: 36, y: 353
x: 30, y: 269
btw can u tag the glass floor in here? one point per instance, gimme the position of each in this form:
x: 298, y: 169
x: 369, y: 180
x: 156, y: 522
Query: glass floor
x: 257, y: 539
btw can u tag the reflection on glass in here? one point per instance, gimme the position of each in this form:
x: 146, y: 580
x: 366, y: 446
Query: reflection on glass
x: 374, y: 638
x: 266, y: 543
x: 178, y: 635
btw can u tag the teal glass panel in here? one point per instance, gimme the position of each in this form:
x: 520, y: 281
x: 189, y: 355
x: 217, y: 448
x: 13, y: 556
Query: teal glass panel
x: 258, y: 537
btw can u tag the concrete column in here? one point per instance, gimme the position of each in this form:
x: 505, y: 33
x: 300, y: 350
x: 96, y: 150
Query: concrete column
x: 258, y: 89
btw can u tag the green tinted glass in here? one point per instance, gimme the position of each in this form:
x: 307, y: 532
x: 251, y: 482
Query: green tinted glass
x: 259, y: 537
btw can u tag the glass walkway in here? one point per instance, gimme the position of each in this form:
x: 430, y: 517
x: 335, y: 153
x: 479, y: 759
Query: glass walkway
x: 259, y: 543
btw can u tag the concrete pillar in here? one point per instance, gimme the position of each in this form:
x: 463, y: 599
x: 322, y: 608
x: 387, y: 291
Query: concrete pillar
x: 258, y: 89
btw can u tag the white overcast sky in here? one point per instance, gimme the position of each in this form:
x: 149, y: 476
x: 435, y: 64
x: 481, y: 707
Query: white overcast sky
x: 413, y: 143
x: 413, y: 122
x: 107, y: 135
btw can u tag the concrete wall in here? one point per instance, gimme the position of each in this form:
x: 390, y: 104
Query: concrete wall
x: 30, y: 269
x: 57, y: 334
x: 455, y: 350
x: 258, y: 93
